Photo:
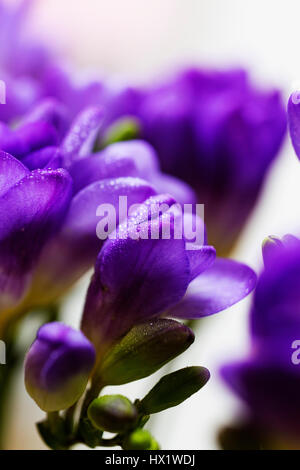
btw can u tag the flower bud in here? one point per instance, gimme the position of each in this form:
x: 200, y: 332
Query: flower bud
x: 174, y: 388
x: 144, y: 350
x: 112, y: 413
x: 58, y: 366
x: 140, y: 439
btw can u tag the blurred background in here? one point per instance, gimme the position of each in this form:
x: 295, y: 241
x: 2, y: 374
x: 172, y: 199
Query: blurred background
x: 138, y: 40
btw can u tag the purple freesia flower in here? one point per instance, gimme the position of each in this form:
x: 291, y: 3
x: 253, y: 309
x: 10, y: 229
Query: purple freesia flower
x: 269, y: 379
x: 33, y: 205
x: 139, y: 276
x: 217, y: 132
x: 57, y: 366
x: 41, y: 141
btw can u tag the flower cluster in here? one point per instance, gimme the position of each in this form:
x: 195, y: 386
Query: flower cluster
x: 96, y: 178
x: 138, y: 283
x: 65, y: 150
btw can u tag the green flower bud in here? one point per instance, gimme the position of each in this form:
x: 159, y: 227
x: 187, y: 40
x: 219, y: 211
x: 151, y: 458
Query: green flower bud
x: 144, y: 350
x: 140, y: 439
x: 127, y: 128
x: 112, y: 413
x: 154, y: 445
x: 173, y: 389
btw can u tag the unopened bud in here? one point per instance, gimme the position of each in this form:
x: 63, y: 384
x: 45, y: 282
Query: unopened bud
x: 144, y: 350
x: 58, y: 366
x: 112, y: 413
x: 174, y: 388
x: 140, y: 439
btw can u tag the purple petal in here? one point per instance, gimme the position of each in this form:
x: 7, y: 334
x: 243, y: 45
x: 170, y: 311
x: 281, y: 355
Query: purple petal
x: 98, y: 167
x: 194, y: 230
x: 294, y: 121
x: 51, y: 111
x: 78, y: 243
x: 141, y: 152
x: 200, y: 259
x: 269, y: 248
x: 11, y: 171
x: 31, y: 212
x: 152, y: 208
x: 181, y: 191
x: 276, y: 306
x: 27, y: 138
x: 80, y: 139
x: 134, y: 158
x: 48, y: 157
x: 220, y: 286
x: 82, y: 218
x: 135, y: 279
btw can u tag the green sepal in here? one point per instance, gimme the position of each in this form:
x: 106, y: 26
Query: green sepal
x: 54, y: 440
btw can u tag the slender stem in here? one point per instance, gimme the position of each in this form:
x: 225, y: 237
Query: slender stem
x: 69, y: 418
x: 53, y: 418
x: 92, y: 393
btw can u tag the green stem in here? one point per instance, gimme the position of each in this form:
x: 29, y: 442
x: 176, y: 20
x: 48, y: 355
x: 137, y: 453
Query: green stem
x: 53, y: 419
x: 91, y: 394
x: 69, y: 418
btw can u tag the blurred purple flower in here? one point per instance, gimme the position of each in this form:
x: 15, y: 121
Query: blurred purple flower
x: 57, y: 366
x: 217, y: 132
x: 32, y: 71
x: 139, y: 276
x: 294, y: 121
x: 269, y: 379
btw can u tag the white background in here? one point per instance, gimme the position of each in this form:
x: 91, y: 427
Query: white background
x: 138, y: 39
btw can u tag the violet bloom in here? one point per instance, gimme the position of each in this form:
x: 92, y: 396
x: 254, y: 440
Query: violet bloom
x: 217, y: 132
x: 139, y: 276
x: 42, y: 141
x: 268, y: 380
x: 57, y: 366
x: 33, y: 205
